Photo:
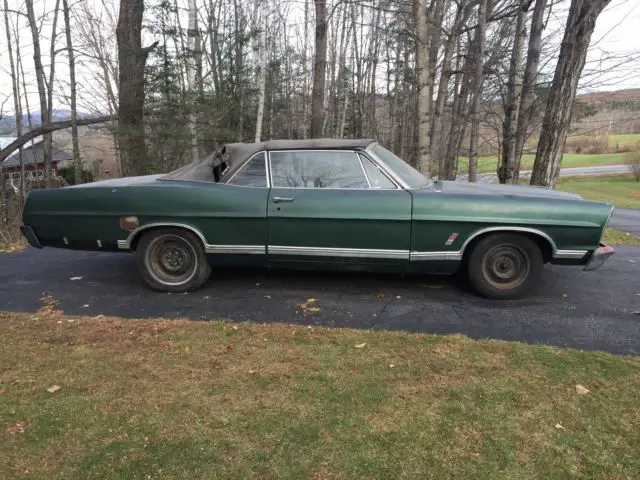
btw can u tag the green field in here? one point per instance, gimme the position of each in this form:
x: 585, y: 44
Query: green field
x: 621, y: 190
x: 141, y: 399
x: 489, y: 164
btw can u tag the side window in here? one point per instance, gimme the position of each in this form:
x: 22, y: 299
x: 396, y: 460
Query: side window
x: 321, y: 169
x: 252, y: 174
x: 377, y: 179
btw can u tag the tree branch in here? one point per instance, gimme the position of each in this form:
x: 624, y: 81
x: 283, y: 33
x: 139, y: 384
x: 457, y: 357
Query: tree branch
x: 48, y: 128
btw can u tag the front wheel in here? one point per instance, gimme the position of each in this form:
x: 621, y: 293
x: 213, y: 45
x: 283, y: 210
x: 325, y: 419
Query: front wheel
x: 172, y: 260
x: 505, y: 266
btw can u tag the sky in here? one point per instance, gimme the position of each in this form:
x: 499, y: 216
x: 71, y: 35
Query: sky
x: 616, y: 37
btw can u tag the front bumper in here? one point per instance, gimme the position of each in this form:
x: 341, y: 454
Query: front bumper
x: 30, y: 235
x: 599, y: 256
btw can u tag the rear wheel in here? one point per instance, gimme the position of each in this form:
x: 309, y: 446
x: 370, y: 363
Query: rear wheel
x: 505, y: 266
x: 172, y: 260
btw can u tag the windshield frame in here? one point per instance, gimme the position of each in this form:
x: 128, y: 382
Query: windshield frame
x: 409, y: 178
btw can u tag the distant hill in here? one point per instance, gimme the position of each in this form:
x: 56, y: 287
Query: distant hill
x: 617, y: 99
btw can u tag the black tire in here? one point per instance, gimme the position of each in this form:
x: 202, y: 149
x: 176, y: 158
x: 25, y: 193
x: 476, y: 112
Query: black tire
x: 172, y: 260
x: 505, y: 266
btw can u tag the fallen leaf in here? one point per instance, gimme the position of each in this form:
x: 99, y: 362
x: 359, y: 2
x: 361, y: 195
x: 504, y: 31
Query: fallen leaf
x: 229, y: 348
x: 580, y: 390
x: 252, y: 371
x: 360, y: 345
x: 15, y: 428
x: 559, y: 426
x: 75, y: 278
x: 53, y: 388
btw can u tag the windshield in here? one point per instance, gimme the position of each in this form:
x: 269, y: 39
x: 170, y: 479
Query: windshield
x: 409, y: 175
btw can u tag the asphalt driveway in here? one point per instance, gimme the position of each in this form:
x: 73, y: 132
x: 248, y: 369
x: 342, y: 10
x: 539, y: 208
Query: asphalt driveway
x: 594, y: 310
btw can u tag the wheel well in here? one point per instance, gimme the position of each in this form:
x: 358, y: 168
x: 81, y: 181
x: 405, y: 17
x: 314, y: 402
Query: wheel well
x: 543, y: 244
x: 136, y: 239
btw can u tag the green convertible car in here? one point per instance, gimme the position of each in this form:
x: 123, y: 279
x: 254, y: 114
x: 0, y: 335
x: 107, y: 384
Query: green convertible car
x: 337, y: 204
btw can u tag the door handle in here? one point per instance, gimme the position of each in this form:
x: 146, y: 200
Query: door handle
x: 283, y: 199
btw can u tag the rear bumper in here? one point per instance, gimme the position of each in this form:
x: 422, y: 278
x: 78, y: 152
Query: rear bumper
x: 599, y: 256
x: 31, y: 236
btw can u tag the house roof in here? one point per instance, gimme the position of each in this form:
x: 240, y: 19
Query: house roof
x: 235, y: 154
x: 57, y: 155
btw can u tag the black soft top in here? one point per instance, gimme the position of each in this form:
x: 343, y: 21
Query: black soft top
x: 231, y: 156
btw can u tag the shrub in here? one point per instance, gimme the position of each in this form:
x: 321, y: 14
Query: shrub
x: 590, y: 145
x: 633, y: 163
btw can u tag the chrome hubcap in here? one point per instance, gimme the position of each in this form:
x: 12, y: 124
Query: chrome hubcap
x: 506, y: 266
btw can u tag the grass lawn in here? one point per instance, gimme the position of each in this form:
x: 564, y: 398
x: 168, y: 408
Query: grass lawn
x: 165, y: 399
x: 621, y: 190
x: 489, y: 164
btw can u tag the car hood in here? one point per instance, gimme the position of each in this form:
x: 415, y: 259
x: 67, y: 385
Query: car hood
x: 495, y: 189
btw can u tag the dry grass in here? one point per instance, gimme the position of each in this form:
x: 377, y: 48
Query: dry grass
x: 618, y: 237
x: 179, y: 399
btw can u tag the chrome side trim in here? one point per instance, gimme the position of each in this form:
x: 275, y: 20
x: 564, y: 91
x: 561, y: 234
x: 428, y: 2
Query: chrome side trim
x: 246, y: 249
x: 569, y: 254
x: 457, y: 255
x: 338, y: 252
x: 435, y: 256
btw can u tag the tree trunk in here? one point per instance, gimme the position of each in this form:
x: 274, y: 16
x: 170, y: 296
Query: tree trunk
x: 17, y: 104
x: 262, y: 75
x: 194, y: 77
x: 77, y: 163
x: 477, y: 90
x: 319, y: 70
x: 40, y: 79
x: 529, y: 83
x: 424, y: 80
x: 512, y: 102
x: 577, y: 35
x: 132, y: 58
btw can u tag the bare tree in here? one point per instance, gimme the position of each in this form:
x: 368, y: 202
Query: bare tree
x: 319, y: 70
x: 512, y: 101
x: 262, y: 77
x: 77, y: 162
x: 477, y: 90
x: 17, y: 104
x: 421, y: 16
x: 577, y: 36
x: 40, y: 78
